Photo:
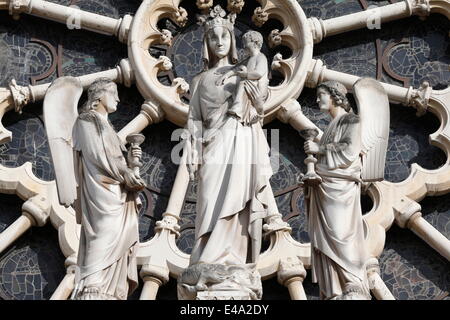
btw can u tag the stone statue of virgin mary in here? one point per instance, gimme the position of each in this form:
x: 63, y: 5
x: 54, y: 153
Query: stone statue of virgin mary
x: 231, y: 161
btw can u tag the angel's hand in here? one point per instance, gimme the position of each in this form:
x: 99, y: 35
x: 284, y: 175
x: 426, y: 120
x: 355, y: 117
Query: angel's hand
x: 311, y: 147
x: 133, y: 182
x: 134, y: 153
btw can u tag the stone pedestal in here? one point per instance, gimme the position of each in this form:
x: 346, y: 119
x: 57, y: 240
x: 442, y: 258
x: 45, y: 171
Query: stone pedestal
x: 222, y: 295
x: 220, y: 282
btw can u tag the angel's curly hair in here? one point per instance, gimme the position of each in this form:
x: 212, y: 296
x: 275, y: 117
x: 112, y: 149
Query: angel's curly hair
x: 95, y: 92
x: 338, y: 93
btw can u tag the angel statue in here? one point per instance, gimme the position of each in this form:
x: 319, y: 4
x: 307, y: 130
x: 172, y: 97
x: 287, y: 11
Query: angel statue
x: 351, y: 152
x: 93, y: 176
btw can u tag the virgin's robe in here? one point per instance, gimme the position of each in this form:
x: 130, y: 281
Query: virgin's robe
x: 335, y: 217
x: 234, y: 194
x: 108, y: 213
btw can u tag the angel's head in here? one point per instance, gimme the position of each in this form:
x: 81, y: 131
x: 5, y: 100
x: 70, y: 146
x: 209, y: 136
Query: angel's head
x: 102, y: 96
x: 331, y: 95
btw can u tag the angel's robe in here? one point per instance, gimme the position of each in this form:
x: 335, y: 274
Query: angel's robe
x: 108, y: 217
x: 338, y: 254
x: 234, y: 194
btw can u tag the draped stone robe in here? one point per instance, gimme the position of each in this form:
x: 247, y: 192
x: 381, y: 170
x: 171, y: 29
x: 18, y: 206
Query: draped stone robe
x: 234, y: 193
x: 335, y: 218
x: 108, y: 213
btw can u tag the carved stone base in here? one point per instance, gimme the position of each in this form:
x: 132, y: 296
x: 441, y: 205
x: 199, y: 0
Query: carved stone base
x: 217, y: 282
x: 223, y: 295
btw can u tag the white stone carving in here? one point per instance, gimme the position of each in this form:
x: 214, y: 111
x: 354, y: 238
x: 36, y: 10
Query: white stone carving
x: 296, y: 35
x: 164, y: 102
x: 235, y: 6
x: 243, y: 282
x: 21, y: 95
x: 341, y: 170
x: 421, y: 8
x: 204, y: 4
x: 260, y: 16
x: 181, y: 85
x: 87, y: 156
x: 291, y: 274
x: 164, y: 63
x: 166, y: 37
x: 226, y: 210
x: 18, y: 6
x: 275, y: 38
x: 376, y: 284
x: 180, y: 16
x: 420, y: 98
x: 169, y: 222
x: 408, y: 215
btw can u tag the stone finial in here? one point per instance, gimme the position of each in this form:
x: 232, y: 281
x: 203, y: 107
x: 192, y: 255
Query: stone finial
x: 275, y: 38
x: 21, y: 95
x: 420, y: 98
x: 164, y: 63
x: 421, y: 8
x: 276, y: 62
x: 181, y: 85
x: 16, y: 7
x: 204, y: 4
x: 260, y: 17
x: 180, y: 17
x: 166, y: 37
x: 235, y: 6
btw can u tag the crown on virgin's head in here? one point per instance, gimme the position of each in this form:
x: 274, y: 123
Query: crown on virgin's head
x: 217, y: 18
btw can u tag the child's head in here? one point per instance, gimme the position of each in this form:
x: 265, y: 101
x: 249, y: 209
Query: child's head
x: 253, y: 39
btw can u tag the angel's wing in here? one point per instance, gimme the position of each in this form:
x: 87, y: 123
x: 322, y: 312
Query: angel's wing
x: 373, y: 107
x: 60, y: 114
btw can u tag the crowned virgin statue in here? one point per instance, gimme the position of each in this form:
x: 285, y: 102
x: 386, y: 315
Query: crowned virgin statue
x: 230, y: 158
